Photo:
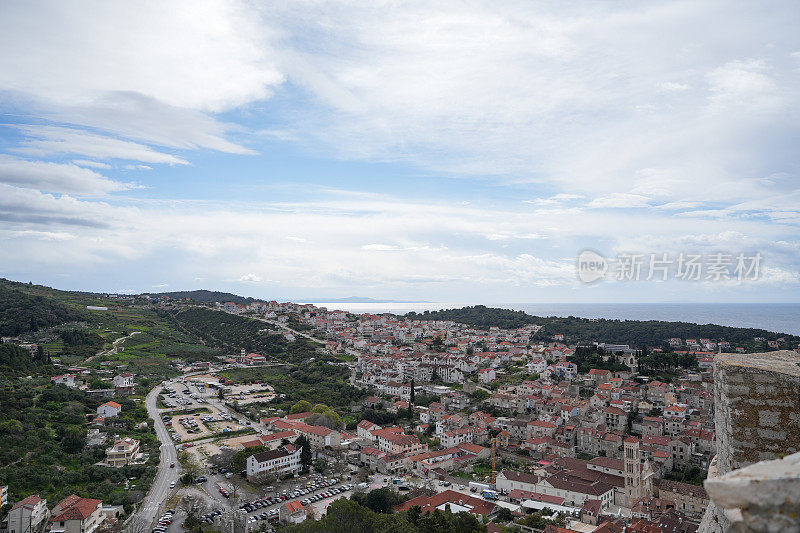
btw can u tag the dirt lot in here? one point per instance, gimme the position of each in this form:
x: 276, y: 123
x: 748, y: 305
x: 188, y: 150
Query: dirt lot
x: 183, y: 432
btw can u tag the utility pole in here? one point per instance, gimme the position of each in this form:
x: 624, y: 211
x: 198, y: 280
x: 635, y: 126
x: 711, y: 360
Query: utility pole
x: 494, y: 460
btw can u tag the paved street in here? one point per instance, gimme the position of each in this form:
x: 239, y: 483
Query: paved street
x: 160, y: 490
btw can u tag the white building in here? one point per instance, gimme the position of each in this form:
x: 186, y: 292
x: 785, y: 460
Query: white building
x: 109, y: 409
x: 64, y: 379
x: 124, y: 382
x: 123, y: 452
x: 278, y: 462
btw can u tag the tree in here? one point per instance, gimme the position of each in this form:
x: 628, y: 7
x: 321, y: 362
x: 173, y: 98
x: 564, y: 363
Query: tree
x: 320, y: 465
x: 412, y: 398
x: 504, y: 515
x: 414, y: 512
x: 224, y: 459
x: 305, y: 450
x: 381, y: 500
x: 264, y: 478
x: 303, y: 406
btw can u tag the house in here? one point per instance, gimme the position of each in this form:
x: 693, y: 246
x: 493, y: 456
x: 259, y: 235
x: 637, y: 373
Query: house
x: 271, y: 441
x: 577, y: 491
x: 28, y: 515
x: 74, y: 514
x: 319, y: 436
x: 64, y: 379
x: 397, y: 442
x: 690, y: 500
x: 598, y: 376
x: 616, y: 419
x: 487, y: 375
x: 285, y: 460
x: 109, y: 409
x: 364, y: 429
x: 292, y: 512
x: 123, y: 383
x: 123, y: 452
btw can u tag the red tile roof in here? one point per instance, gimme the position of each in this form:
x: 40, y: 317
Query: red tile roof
x: 30, y: 501
x: 479, y: 506
x: 294, y: 506
x: 74, y: 507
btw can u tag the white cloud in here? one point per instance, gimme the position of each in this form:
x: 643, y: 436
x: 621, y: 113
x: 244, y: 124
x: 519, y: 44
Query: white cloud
x: 160, y: 285
x: 44, y: 141
x: 620, y: 200
x: 250, y: 278
x: 740, y: 79
x: 201, y: 55
x: 55, y: 177
x: 557, y: 199
x: 671, y: 86
x: 380, y: 247
x: 92, y: 164
x: 295, y: 238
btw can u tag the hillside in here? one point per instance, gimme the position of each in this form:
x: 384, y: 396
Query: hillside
x: 202, y: 296
x: 22, y: 313
x: 637, y: 333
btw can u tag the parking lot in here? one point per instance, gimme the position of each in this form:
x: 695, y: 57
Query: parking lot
x: 203, y: 424
x: 319, y: 492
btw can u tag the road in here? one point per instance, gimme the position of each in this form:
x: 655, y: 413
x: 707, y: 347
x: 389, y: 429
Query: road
x: 160, y: 489
x: 114, y: 350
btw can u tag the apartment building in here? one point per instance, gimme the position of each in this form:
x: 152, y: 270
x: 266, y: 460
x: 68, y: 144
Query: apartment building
x: 28, y: 516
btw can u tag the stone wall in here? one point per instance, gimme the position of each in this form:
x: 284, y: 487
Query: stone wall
x: 757, y: 406
x: 757, y: 418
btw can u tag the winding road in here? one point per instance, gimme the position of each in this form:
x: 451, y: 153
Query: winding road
x: 114, y: 350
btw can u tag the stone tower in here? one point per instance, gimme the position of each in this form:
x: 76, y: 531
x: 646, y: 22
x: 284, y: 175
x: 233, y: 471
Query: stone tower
x: 638, y: 473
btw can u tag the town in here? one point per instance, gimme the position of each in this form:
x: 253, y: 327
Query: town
x: 507, y: 427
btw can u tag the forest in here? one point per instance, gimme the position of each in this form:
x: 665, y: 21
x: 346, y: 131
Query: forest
x: 22, y: 313
x: 636, y: 333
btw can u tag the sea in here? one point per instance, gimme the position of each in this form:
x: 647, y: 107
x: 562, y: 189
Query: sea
x: 776, y: 317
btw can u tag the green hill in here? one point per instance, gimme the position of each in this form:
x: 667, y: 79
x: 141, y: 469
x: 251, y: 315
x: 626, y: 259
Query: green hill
x: 636, y: 333
x: 22, y: 313
x: 202, y: 296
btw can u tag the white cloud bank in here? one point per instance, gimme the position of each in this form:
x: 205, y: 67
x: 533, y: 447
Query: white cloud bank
x: 640, y: 124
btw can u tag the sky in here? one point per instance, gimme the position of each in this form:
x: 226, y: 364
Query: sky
x: 438, y: 151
